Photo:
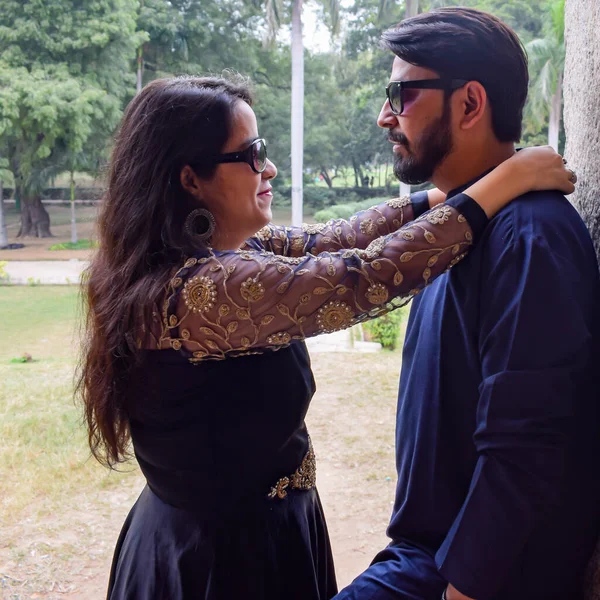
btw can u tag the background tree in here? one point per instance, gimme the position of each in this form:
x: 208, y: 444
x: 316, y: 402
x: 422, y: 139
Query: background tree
x: 62, y: 81
x: 274, y: 10
x: 547, y: 63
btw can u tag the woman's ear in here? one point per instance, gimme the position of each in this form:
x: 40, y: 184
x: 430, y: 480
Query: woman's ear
x: 189, y: 181
x: 473, y: 104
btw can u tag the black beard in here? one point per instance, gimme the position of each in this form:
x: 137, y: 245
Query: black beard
x: 434, y: 145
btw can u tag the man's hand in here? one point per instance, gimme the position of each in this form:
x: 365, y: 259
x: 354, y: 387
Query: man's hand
x: 435, y: 197
x: 453, y: 594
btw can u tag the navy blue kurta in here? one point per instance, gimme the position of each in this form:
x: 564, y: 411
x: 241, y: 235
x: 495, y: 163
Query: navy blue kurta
x: 497, y: 426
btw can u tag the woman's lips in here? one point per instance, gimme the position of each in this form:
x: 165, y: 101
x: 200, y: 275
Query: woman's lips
x: 266, y: 193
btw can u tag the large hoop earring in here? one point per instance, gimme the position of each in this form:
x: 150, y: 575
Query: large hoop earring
x: 200, y: 225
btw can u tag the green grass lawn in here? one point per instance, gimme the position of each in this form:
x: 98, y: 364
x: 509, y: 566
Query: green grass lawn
x: 61, y: 512
x: 44, y: 453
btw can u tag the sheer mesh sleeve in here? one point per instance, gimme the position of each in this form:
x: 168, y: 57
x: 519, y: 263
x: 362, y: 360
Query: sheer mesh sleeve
x: 357, y: 232
x: 227, y: 303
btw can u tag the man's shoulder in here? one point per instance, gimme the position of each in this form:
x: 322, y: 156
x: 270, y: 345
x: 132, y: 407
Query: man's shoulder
x: 540, y: 215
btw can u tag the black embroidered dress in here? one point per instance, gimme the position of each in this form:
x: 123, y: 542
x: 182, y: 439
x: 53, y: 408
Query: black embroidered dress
x: 230, y: 509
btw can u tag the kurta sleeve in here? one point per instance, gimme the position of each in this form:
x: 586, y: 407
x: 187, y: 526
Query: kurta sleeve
x: 227, y: 303
x: 357, y: 232
x: 533, y: 343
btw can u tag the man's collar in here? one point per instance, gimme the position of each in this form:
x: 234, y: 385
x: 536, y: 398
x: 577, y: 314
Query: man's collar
x: 462, y: 188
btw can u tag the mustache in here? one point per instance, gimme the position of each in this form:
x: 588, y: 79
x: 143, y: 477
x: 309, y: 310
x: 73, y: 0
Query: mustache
x: 398, y: 138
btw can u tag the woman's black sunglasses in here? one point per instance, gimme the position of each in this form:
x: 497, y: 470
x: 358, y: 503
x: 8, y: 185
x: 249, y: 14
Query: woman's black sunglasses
x: 255, y: 155
x: 395, y: 89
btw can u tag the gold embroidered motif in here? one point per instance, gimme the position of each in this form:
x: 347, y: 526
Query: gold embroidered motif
x: 375, y: 248
x: 252, y: 290
x: 368, y: 227
x: 399, y: 202
x: 199, y: 293
x: 438, y: 215
x: 313, y: 229
x: 278, y: 339
x: 303, y: 478
x: 377, y: 294
x: 264, y: 234
x: 250, y: 301
x: 297, y: 243
x: 335, y: 315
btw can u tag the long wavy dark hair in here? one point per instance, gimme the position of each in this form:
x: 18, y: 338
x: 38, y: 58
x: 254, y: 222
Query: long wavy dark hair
x: 169, y: 124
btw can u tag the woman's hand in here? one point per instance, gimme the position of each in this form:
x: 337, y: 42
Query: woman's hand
x: 541, y: 168
x: 528, y: 170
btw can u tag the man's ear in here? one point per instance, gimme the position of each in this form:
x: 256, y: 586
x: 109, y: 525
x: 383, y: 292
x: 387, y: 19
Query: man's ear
x: 189, y: 181
x: 473, y: 103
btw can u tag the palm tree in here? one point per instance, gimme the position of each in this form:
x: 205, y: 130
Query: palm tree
x: 274, y: 11
x: 547, y: 59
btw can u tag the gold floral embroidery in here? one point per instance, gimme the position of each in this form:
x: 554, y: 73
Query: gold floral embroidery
x: 264, y: 234
x: 297, y: 243
x: 200, y: 293
x: 313, y: 229
x: 399, y: 202
x: 278, y: 339
x: 438, y: 215
x: 295, y: 295
x: 375, y: 248
x: 290, y: 260
x: 377, y: 294
x: 334, y: 315
x: 303, y: 478
x: 368, y: 227
x: 252, y: 290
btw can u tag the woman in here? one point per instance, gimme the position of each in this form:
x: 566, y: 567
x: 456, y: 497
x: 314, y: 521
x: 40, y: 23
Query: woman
x: 180, y: 286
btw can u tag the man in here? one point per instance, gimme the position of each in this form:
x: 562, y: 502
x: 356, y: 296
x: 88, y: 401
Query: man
x: 497, y: 423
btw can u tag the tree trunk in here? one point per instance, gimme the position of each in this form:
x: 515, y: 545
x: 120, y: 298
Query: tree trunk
x: 73, y: 217
x: 297, y: 111
x: 140, y: 61
x: 555, y: 113
x: 3, y: 232
x: 35, y: 220
x: 327, y: 178
x: 582, y: 115
x: 412, y: 8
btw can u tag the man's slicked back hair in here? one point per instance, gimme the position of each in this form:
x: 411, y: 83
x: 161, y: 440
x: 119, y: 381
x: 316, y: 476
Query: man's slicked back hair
x: 464, y: 43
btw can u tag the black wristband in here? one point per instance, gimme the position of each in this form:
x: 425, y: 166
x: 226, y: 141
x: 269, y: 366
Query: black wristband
x: 471, y: 210
x: 420, y: 203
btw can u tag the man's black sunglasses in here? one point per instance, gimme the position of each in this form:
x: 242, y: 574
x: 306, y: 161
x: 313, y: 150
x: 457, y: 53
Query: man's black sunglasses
x: 255, y: 155
x: 395, y: 89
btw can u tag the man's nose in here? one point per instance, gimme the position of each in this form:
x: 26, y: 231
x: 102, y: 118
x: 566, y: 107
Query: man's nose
x: 387, y: 119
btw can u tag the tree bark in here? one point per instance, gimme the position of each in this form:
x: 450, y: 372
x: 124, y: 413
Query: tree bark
x: 582, y: 107
x: 582, y: 119
x: 73, y: 217
x: 35, y: 220
x: 3, y: 231
x: 327, y: 178
x: 297, y: 112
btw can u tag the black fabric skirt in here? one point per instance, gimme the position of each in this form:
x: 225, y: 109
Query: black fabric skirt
x: 272, y: 550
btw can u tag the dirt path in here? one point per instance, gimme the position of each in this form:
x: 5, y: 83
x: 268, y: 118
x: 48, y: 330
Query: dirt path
x: 67, y: 555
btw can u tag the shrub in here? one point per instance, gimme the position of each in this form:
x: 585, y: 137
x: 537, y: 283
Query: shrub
x: 346, y: 210
x: 3, y: 273
x: 386, y: 329
x: 80, y: 245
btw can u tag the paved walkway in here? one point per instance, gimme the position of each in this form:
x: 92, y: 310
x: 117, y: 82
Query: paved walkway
x: 45, y: 272
x: 68, y: 272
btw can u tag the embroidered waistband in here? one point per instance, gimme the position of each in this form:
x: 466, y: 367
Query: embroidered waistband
x: 303, y: 478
